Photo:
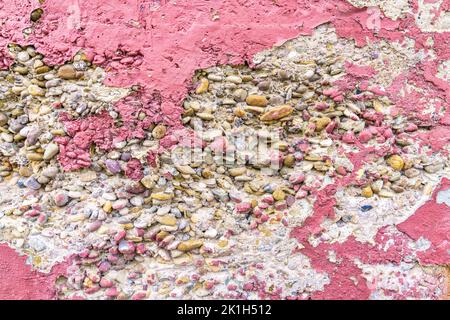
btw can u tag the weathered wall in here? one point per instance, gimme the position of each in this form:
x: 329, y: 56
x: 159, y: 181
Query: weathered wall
x: 397, y: 56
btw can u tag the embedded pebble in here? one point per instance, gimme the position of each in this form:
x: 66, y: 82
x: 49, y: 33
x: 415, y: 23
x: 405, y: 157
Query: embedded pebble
x: 61, y: 199
x: 257, y: 101
x: 113, y: 166
x: 131, y: 211
x: 277, y: 113
x: 23, y: 56
x: 159, y: 131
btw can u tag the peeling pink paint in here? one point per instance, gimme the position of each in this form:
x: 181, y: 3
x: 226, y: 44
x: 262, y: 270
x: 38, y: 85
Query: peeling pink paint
x: 160, y: 49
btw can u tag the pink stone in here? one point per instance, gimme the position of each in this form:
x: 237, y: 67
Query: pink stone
x: 219, y: 145
x: 152, y: 158
x: 61, y: 199
x: 171, y: 140
x: 31, y: 213
x: 332, y: 92
x: 257, y: 212
x: 353, y: 116
x: 232, y: 287
x: 311, y: 127
x: 305, y: 115
x: 248, y: 286
x: 126, y: 247
x: 98, y: 59
x: 268, y: 199
x: 330, y: 127
x: 341, y: 170
x: 139, y: 296
x: 263, y: 205
x: 303, y: 146
x: 92, y: 290
x: 140, y: 248
x: 290, y: 199
x: 120, y: 235
x: 112, y: 258
x: 338, y: 98
x: 373, y: 130
x: 42, y: 218
x: 209, y: 285
x: 84, y: 253
x: 94, y: 226
x: 127, y: 60
x: 139, y: 232
x: 104, y: 266
x: 298, y: 156
x: 280, y: 205
x: 320, y: 106
x: 276, y: 157
x: 119, y: 204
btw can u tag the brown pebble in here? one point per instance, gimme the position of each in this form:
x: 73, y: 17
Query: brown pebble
x: 264, y: 85
x: 159, y: 131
